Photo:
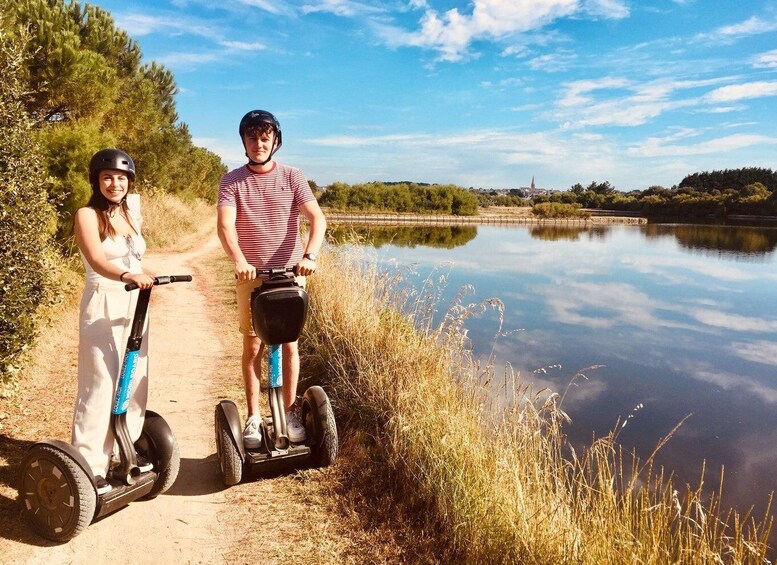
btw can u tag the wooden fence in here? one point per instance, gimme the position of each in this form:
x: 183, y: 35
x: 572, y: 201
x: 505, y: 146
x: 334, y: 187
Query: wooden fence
x: 448, y: 220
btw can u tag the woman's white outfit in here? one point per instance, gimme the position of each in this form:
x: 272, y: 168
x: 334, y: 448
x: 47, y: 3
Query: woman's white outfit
x: 104, y: 324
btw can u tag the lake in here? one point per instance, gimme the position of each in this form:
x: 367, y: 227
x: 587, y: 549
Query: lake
x: 681, y: 321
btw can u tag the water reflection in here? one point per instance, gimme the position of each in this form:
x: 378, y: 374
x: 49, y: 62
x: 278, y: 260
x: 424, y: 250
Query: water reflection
x: 446, y: 237
x: 571, y: 233
x: 726, y: 242
x: 681, y: 320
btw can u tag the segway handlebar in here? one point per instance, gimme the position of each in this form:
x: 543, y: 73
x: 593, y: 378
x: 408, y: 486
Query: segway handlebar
x: 272, y: 271
x: 166, y: 279
x: 275, y: 271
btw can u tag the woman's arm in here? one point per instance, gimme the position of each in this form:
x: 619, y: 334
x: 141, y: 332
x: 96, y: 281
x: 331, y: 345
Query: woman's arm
x: 87, y: 233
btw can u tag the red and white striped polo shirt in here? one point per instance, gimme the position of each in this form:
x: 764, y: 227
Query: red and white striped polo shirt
x: 267, y: 206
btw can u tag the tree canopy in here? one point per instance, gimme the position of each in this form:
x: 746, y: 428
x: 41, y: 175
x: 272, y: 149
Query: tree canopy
x: 72, y: 84
x: 88, y: 88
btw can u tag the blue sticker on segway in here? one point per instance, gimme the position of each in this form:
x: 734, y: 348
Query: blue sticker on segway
x: 276, y: 366
x: 121, y: 401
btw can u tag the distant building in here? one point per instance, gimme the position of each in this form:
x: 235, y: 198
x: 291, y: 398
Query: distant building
x: 532, y: 190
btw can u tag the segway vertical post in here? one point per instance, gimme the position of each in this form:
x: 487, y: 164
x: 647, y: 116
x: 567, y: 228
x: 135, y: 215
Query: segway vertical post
x: 128, y: 459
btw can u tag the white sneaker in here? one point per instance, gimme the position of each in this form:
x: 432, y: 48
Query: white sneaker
x: 102, y: 485
x: 144, y: 465
x: 295, y: 428
x: 252, y: 434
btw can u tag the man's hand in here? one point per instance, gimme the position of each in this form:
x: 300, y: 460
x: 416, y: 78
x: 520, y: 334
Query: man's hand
x: 305, y: 267
x: 244, y: 271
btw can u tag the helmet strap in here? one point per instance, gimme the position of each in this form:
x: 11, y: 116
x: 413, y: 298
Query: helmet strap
x: 257, y: 163
x: 263, y: 163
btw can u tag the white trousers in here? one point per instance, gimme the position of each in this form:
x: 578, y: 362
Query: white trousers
x: 104, y: 325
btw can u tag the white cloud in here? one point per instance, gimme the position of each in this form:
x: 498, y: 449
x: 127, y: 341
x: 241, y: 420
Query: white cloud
x: 344, y: 8
x: 267, y: 6
x: 136, y: 24
x: 553, y: 62
x: 728, y: 381
x: 243, y: 45
x: 618, y: 303
x: 611, y: 9
x: 766, y: 60
x: 727, y: 34
x: 657, y: 146
x: 187, y: 59
x: 452, y: 32
x: 734, y: 92
x: 734, y: 322
x: 752, y: 26
x: 763, y: 351
x: 621, y: 102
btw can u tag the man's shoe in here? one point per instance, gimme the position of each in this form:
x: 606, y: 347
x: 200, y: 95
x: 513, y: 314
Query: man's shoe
x: 102, y: 485
x: 295, y: 428
x: 252, y: 434
x: 144, y: 464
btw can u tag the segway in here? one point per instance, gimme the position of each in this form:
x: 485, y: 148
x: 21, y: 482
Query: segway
x: 57, y: 490
x: 278, y: 311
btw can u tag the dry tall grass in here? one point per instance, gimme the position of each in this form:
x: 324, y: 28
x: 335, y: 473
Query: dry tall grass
x: 494, y: 487
x: 172, y: 223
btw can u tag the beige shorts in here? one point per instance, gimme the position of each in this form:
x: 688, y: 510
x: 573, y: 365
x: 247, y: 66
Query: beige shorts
x: 244, y: 290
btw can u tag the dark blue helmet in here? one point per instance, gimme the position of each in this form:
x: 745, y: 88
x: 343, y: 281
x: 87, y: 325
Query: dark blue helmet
x: 261, y: 117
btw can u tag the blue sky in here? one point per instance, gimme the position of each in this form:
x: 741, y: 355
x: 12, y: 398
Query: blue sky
x: 485, y: 94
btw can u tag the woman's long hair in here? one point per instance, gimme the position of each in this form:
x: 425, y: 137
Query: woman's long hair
x: 105, y: 209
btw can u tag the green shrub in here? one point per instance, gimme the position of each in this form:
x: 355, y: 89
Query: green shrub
x: 557, y: 210
x: 25, y: 214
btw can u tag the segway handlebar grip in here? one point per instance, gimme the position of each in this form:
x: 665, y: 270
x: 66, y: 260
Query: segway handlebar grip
x: 166, y: 279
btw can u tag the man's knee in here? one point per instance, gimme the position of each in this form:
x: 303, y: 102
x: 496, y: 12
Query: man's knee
x: 252, y: 347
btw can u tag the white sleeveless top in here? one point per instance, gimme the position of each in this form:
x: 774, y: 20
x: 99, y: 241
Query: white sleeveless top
x: 124, y: 251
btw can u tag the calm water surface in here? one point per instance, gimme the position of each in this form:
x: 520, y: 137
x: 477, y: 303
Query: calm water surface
x: 681, y: 318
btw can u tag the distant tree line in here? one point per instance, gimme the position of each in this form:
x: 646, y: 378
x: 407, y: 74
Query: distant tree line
x: 748, y: 191
x: 400, y: 197
x: 513, y: 197
x: 71, y: 84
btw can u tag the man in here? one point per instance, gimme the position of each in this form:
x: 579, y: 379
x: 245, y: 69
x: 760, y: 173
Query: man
x: 259, y: 205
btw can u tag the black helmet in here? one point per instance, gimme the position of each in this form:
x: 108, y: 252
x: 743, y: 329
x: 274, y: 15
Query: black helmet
x: 259, y: 117
x: 256, y: 118
x: 110, y: 159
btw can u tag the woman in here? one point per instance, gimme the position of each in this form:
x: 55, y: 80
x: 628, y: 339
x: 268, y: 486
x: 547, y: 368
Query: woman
x: 110, y: 244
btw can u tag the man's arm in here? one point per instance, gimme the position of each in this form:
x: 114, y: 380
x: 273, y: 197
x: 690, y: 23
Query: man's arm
x: 312, y: 212
x: 228, y: 237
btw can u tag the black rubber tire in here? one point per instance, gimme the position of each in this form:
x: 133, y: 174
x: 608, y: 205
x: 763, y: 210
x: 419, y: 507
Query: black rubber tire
x: 57, y: 497
x: 158, y: 445
x: 230, y: 464
x: 319, y: 419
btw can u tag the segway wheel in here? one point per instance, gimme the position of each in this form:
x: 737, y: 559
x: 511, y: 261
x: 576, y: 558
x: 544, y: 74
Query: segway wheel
x: 229, y: 458
x: 319, y: 419
x: 158, y: 444
x: 56, y: 495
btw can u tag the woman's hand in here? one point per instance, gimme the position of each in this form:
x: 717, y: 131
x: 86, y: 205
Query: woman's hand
x: 141, y: 279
